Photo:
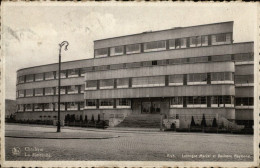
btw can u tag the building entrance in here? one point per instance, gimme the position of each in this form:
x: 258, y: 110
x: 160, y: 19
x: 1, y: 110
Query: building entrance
x: 151, y: 107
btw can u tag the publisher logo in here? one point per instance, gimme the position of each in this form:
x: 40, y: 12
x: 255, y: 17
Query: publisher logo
x: 16, y: 151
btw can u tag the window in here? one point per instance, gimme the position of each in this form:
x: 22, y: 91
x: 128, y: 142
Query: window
x: 84, y: 70
x: 101, y: 68
x: 133, y: 48
x: 123, y: 103
x: 21, y: 79
x: 148, y: 81
x: 200, y: 59
x: 175, y: 61
x: 50, y: 75
x: 62, y: 106
x: 72, y: 89
x: 38, y: 107
x: 20, y: 107
x: 63, y: 74
x: 90, y: 104
x: 72, y: 106
x: 63, y: 89
x: 244, y: 102
x: 29, y: 78
x: 178, y: 43
x: 221, y: 39
x: 161, y: 62
x: 197, y: 101
x: 29, y: 92
x: 50, y: 91
x: 91, y: 85
x: 221, y: 58
x: 175, y: 80
x: 155, y: 46
x: 195, y: 41
x: 81, y: 105
x: 107, y: 84
x: 204, y: 40
x: 106, y: 103
x: 229, y: 101
x: 222, y: 77
x: 38, y: 92
x: 28, y: 107
x: 81, y: 88
x: 103, y: 52
x: 183, y: 43
x: 172, y: 44
x: 117, y: 66
x: 122, y: 83
x: 21, y: 93
x: 133, y: 65
x: 48, y: 106
x: 176, y: 102
x: 147, y: 63
x: 198, y: 78
x: 116, y: 50
x: 244, y: 57
x: 39, y: 77
x: 73, y: 73
x: 244, y: 79
x: 214, y: 101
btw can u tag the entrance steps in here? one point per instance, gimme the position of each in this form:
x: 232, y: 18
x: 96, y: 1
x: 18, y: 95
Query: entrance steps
x: 141, y: 121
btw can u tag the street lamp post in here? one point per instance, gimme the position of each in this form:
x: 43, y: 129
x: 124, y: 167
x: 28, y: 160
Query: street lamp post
x: 66, y: 48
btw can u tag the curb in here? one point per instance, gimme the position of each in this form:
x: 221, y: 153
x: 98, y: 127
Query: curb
x: 33, y: 137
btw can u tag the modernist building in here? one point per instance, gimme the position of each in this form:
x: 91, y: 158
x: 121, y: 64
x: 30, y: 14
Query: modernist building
x: 176, y: 73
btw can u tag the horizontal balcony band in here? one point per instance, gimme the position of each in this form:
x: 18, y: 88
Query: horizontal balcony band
x: 206, y: 90
x: 162, y: 70
x: 51, y: 99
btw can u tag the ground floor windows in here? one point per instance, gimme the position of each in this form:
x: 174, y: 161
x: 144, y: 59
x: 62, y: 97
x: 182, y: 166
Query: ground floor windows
x: 91, y: 104
x: 123, y: 103
x: 244, y: 102
x: 106, y: 103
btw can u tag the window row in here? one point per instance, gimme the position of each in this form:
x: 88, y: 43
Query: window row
x: 202, y: 101
x: 74, y: 89
x: 52, y: 75
x: 196, y: 41
x: 168, y: 80
x: 80, y: 72
x: 64, y: 106
x: 108, y: 103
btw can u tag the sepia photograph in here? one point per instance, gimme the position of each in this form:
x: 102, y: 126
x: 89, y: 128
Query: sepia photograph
x: 129, y: 84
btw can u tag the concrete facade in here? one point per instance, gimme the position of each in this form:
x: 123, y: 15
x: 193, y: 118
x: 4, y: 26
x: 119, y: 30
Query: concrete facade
x: 180, y: 73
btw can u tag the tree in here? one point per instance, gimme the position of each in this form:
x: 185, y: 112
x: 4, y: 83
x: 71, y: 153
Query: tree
x: 192, y: 124
x: 98, y: 118
x: 92, y: 118
x: 86, y: 118
x: 203, y: 121
x: 214, y: 123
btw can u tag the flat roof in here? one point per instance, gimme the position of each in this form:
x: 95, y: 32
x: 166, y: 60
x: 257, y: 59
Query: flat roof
x: 106, y: 57
x: 156, y: 31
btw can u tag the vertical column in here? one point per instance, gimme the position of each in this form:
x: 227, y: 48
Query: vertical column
x: 115, y: 84
x: 185, y: 101
x: 167, y: 45
x: 208, y: 78
x: 114, y: 105
x: 108, y: 52
x: 208, y: 101
x: 98, y: 84
x: 124, y: 49
x: 97, y: 103
x: 142, y: 47
x: 166, y: 80
x: 184, y: 79
x: 209, y: 40
x: 130, y: 82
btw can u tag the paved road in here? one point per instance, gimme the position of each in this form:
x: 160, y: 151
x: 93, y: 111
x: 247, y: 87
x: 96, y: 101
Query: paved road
x: 130, y: 145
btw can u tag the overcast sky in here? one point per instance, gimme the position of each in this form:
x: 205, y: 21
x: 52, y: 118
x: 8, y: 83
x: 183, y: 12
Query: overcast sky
x: 31, y: 34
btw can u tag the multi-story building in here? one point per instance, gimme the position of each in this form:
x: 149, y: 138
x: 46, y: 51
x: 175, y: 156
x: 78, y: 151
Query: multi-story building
x: 176, y: 73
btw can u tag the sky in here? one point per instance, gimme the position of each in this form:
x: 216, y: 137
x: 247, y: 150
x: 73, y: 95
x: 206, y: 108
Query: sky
x: 31, y: 33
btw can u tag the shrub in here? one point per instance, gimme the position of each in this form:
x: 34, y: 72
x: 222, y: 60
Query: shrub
x: 98, y: 118
x: 192, y: 124
x: 92, y: 118
x: 214, y: 123
x: 203, y: 121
